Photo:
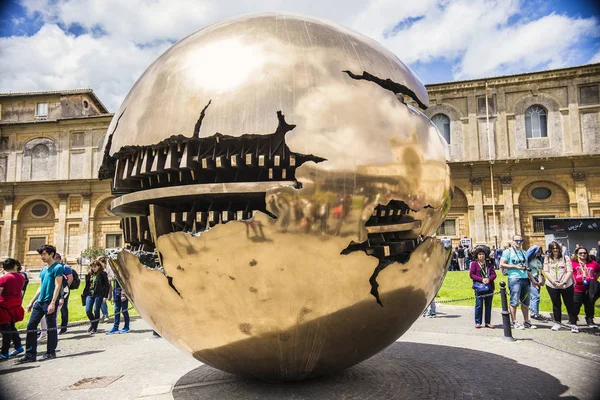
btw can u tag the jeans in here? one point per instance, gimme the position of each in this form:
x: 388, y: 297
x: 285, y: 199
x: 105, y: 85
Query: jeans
x: 519, y: 291
x: 430, y: 310
x: 64, y: 312
x: 120, y: 306
x: 567, y: 298
x: 534, y: 294
x: 93, y: 315
x: 37, y: 313
x: 479, y: 305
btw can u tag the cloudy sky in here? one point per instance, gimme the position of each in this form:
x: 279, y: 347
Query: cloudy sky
x: 107, y: 44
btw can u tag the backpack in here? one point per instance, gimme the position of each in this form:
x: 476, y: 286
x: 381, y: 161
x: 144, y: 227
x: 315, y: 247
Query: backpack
x: 76, y: 281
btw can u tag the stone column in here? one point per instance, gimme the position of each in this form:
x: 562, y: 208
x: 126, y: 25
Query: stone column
x: 508, y: 221
x: 85, y: 220
x: 478, y: 217
x: 5, y: 240
x: 581, y: 194
x: 61, y: 229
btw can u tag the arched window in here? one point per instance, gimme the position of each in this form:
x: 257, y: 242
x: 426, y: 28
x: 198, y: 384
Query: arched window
x: 40, y: 155
x: 442, y: 122
x: 536, y: 125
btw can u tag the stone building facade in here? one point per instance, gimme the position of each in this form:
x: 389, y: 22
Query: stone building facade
x: 543, y: 154
x: 49, y: 191
x: 543, y: 157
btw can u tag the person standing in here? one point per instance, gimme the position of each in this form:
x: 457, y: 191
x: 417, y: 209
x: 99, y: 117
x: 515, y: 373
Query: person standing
x: 104, y: 305
x: 66, y: 286
x: 11, y: 310
x: 95, y: 293
x: 43, y: 305
x: 535, y: 266
x: 121, y: 304
x: 483, y: 272
x: 514, y: 260
x: 558, y: 271
x: 585, y: 270
x: 460, y: 255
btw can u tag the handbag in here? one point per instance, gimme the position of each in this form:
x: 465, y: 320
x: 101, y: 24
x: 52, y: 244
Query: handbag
x: 480, y: 287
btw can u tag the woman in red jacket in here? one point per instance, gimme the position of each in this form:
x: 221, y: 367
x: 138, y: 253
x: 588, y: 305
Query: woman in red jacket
x: 11, y: 310
x: 482, y: 273
x: 585, y: 270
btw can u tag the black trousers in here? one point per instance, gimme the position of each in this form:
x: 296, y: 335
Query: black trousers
x: 588, y: 306
x: 64, y: 312
x: 567, y: 298
x: 9, y: 333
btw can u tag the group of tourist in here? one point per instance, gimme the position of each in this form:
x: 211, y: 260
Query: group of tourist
x: 56, y: 282
x: 572, y: 280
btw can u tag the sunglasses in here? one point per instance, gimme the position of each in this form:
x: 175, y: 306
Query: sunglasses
x: 581, y: 253
x: 518, y: 241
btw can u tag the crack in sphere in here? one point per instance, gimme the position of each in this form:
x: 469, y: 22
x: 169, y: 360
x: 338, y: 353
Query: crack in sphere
x: 279, y: 217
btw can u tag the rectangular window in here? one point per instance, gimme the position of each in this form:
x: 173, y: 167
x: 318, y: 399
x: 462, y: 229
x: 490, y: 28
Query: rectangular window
x: 77, y: 139
x: 538, y: 223
x: 491, y: 105
x: 36, y: 242
x: 589, y: 95
x: 42, y: 110
x: 448, y: 228
x: 113, y: 240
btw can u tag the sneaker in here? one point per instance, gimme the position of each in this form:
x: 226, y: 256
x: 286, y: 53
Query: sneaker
x: 574, y: 329
x: 490, y: 326
x: 90, y: 329
x: 529, y: 325
x: 42, y: 338
x: 537, y: 316
x: 113, y: 330
x: 62, y: 331
x: 4, y: 357
x: 555, y: 327
x: 517, y: 325
x: 25, y: 359
x: 124, y: 330
x: 431, y: 315
x: 93, y: 332
x: 16, y: 351
x: 48, y: 356
x: 477, y: 326
x: 591, y: 324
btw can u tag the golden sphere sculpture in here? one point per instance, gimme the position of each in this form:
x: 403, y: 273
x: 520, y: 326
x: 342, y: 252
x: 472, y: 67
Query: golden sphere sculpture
x: 279, y: 191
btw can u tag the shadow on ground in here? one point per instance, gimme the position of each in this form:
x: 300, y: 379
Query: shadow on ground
x: 402, y: 371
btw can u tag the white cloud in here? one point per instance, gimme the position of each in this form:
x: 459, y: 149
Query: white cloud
x: 473, y: 35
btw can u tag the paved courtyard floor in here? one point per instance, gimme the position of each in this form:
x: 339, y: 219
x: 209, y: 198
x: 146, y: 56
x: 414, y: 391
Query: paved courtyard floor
x: 438, y: 358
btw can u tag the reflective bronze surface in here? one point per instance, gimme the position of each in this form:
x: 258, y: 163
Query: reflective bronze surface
x: 279, y: 197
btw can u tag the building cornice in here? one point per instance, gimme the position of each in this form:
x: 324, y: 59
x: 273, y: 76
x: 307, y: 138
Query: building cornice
x: 58, y: 120
x: 531, y: 77
x: 67, y: 92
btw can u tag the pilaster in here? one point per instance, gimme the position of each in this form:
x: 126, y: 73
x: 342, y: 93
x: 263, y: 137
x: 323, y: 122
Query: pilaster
x: 478, y: 216
x: 581, y: 194
x: 61, y: 228
x: 85, y: 220
x: 508, y: 221
x: 5, y: 240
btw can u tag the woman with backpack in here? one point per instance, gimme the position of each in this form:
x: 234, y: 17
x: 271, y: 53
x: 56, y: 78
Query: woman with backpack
x: 95, y: 293
x: 558, y: 272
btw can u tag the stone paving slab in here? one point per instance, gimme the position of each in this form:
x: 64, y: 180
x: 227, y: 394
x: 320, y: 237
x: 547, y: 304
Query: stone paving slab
x: 444, y: 357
